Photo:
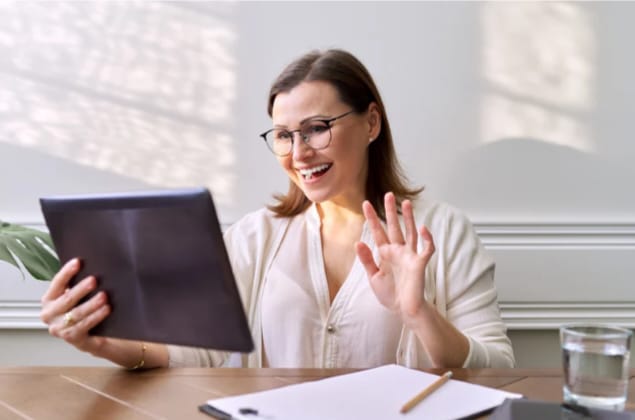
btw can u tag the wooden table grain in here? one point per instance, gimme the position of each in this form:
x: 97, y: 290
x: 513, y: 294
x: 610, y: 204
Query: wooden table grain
x: 77, y: 393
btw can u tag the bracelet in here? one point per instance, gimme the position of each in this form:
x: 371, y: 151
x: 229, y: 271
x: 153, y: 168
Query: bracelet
x: 142, y: 361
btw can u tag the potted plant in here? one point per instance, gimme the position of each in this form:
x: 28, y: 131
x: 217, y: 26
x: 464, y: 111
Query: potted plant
x: 30, y: 250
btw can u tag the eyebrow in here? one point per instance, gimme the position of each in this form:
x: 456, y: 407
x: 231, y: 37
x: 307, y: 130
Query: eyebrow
x: 305, y: 120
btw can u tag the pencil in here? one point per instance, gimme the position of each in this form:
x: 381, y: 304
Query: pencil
x: 427, y: 391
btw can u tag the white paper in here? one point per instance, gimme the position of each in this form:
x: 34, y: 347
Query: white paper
x: 377, y: 393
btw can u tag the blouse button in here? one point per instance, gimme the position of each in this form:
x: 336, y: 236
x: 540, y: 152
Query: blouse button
x: 330, y: 328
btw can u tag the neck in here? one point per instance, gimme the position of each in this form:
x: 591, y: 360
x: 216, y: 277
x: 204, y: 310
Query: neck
x: 336, y: 214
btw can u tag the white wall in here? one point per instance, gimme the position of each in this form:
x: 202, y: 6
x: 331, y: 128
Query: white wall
x: 519, y: 113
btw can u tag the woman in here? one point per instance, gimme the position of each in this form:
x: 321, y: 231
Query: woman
x: 328, y: 275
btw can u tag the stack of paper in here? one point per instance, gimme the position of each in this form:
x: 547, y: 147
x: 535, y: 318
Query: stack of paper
x: 371, y: 394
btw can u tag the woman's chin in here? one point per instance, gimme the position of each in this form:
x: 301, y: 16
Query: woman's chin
x: 316, y: 196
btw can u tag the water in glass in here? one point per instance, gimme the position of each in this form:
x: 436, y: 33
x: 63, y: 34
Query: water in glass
x: 596, y: 374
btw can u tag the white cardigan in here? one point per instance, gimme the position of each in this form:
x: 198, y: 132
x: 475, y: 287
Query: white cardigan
x: 459, y: 282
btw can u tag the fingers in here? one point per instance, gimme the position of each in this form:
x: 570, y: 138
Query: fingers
x: 428, y: 243
x: 52, y: 309
x: 366, y: 258
x: 393, y: 234
x: 409, y: 222
x: 59, y: 283
x: 392, y: 219
x: 84, y: 317
x: 60, y: 309
x: 377, y: 230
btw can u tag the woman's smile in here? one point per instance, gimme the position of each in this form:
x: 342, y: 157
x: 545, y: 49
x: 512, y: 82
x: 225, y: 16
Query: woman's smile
x: 313, y: 173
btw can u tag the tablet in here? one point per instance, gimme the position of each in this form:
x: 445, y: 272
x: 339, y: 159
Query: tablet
x: 161, y: 258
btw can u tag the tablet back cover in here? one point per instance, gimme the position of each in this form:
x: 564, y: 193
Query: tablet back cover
x: 161, y: 258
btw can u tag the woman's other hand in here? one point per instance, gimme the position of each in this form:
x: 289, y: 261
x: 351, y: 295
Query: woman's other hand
x: 68, y: 320
x: 398, y: 278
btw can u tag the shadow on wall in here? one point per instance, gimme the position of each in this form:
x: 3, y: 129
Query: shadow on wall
x: 539, y: 151
x: 26, y: 174
x: 517, y: 167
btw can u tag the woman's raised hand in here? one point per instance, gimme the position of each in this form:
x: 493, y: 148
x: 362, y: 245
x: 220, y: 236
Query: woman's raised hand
x: 68, y: 320
x: 398, y: 278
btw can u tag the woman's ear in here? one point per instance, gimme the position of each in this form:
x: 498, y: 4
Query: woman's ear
x: 374, y: 122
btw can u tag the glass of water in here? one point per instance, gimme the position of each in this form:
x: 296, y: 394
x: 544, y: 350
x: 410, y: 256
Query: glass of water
x: 595, y: 358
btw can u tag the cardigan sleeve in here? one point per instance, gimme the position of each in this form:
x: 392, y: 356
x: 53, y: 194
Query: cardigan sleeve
x: 460, y: 283
x: 472, y: 299
x: 477, y: 316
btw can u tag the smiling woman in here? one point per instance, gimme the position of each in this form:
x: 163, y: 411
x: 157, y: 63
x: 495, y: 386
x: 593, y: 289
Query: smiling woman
x: 29, y: 250
x: 339, y: 272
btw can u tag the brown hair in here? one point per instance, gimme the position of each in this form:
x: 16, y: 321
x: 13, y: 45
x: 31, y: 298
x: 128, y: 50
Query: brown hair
x: 357, y: 89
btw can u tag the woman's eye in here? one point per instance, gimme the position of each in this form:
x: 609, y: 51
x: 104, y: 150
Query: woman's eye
x: 282, y: 135
x: 316, y: 129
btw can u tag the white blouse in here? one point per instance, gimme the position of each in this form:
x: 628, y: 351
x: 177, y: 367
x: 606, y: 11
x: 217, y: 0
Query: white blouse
x: 354, y: 331
x: 279, y: 270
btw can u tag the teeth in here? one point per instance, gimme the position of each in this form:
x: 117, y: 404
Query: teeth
x: 308, y: 172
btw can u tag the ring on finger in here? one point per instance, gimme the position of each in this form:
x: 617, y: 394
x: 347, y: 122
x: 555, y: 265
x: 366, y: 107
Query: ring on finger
x: 68, y: 319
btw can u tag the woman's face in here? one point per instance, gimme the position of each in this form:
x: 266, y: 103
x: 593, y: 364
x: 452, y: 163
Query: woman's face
x: 338, y: 172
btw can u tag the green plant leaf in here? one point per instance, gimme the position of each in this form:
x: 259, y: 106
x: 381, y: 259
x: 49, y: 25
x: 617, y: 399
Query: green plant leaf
x: 31, y: 248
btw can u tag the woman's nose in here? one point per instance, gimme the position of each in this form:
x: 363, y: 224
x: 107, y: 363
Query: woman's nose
x: 300, y: 148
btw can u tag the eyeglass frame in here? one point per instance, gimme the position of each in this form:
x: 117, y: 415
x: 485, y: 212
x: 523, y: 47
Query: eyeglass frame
x: 327, y: 121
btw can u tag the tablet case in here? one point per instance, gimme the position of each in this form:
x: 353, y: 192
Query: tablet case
x: 160, y: 257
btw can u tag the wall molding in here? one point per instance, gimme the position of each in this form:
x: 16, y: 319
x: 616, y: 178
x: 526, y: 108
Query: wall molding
x: 549, y: 316
x: 547, y: 235
x: 25, y: 315
x: 20, y: 315
x: 503, y: 235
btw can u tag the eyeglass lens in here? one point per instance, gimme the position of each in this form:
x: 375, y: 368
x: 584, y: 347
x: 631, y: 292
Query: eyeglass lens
x: 316, y: 134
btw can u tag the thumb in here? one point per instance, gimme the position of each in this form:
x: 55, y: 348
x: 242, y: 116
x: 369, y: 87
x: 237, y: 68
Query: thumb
x: 428, y: 243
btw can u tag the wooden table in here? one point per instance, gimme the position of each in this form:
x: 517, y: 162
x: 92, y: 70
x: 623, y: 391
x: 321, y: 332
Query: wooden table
x: 110, y: 393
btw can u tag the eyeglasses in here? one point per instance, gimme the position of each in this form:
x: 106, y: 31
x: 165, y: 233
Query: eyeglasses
x: 315, y: 133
